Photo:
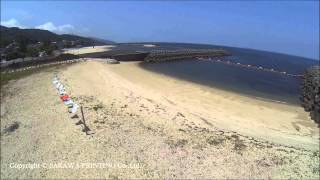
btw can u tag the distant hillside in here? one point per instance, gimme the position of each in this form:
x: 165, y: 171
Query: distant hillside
x: 38, y: 35
x: 103, y: 40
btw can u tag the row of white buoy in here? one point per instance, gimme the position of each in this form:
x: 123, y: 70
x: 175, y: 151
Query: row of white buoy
x: 72, y: 106
x: 66, y: 99
x: 44, y: 65
x: 250, y: 66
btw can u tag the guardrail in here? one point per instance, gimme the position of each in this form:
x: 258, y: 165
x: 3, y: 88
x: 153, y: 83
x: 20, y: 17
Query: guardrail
x: 26, y: 62
x: 42, y: 65
x: 27, y: 59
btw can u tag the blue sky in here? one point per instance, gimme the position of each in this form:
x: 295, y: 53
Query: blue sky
x: 290, y: 27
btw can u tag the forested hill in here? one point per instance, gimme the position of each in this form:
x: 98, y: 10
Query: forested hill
x: 30, y: 36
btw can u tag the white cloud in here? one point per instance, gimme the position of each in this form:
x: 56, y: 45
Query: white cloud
x: 12, y: 23
x: 50, y: 26
x: 66, y: 28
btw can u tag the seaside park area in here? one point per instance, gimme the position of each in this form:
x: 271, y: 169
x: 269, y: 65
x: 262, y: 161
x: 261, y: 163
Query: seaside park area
x: 128, y: 122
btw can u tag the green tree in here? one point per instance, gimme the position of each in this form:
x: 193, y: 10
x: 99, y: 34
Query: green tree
x: 23, y: 46
x: 48, y: 47
x: 32, y: 52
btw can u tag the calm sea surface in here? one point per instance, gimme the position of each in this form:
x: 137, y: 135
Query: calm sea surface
x: 252, y: 82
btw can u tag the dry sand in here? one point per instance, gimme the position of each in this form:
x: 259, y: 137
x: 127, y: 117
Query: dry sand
x: 149, y: 45
x: 164, y: 127
x: 90, y: 49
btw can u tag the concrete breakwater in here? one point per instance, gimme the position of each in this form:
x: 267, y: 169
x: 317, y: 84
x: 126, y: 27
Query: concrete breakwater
x: 166, y: 55
x: 118, y: 55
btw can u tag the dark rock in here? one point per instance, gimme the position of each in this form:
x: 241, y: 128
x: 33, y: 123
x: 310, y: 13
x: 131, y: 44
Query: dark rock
x: 310, y: 94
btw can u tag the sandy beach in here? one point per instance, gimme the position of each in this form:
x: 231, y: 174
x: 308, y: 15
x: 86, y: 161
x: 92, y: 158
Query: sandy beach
x: 272, y: 121
x: 149, y: 45
x: 90, y: 49
x: 154, y: 126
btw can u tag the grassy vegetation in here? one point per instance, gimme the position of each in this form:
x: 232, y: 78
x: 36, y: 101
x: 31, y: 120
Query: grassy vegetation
x: 6, y: 77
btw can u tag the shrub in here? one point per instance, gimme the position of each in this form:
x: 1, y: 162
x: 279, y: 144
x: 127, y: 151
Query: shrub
x: 310, y: 92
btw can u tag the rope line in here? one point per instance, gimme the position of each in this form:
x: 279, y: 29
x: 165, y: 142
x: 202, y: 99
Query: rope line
x: 259, y: 68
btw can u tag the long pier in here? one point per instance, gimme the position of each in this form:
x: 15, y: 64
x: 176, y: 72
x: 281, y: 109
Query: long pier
x: 166, y: 55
